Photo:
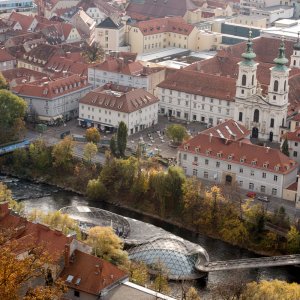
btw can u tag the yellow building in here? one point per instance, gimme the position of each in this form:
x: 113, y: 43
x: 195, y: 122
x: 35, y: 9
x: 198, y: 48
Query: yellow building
x: 151, y: 35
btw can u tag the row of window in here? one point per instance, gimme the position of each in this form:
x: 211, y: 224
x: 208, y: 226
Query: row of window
x: 187, y: 102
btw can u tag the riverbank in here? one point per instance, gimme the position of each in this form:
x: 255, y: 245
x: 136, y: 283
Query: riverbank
x: 144, y: 213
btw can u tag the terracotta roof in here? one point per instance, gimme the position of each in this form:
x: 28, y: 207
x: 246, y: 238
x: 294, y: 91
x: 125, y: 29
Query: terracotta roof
x: 229, y: 129
x: 293, y: 186
x: 5, y: 56
x: 103, y: 6
x: 159, y: 8
x: 293, y: 135
x: 296, y: 117
x: 254, y: 156
x: 91, y: 274
x: 171, y: 24
x: 119, y: 98
x: 24, y: 20
x: 203, y: 84
x: 53, y: 88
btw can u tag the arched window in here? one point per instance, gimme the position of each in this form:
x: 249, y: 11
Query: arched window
x: 244, y: 80
x: 285, y: 85
x: 256, y: 116
x: 294, y: 62
x: 275, y: 86
x: 240, y: 116
x: 252, y: 79
x: 272, y: 123
x: 282, y: 122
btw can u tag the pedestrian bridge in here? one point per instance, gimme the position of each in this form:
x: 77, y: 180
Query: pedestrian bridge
x: 7, y: 148
x: 249, y: 263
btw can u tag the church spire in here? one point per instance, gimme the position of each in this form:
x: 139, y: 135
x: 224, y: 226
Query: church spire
x: 297, y: 45
x: 249, y: 55
x: 281, y: 60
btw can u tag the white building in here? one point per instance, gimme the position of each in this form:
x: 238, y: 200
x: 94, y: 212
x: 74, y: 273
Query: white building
x: 225, y: 161
x: 52, y: 99
x: 124, y: 71
x: 106, y: 106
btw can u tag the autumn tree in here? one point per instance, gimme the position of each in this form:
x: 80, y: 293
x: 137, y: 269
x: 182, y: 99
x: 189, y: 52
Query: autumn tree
x: 92, y: 135
x: 89, y: 152
x: 192, y: 294
x: 6, y: 196
x: 160, y: 283
x: 138, y: 272
x: 93, y: 53
x: 285, y: 147
x: 12, y: 112
x: 177, y: 133
x: 122, y: 138
x: 113, y: 145
x: 18, y: 274
x: 107, y: 245
x: 96, y: 190
x: 3, y: 83
x: 272, y: 290
x: 62, y: 153
x: 40, y: 155
x: 293, y: 240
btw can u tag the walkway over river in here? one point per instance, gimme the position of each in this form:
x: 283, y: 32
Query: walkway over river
x: 249, y: 263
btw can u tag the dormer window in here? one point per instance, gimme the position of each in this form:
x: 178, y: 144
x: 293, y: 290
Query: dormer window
x: 208, y: 151
x: 197, y: 149
x: 230, y: 156
x: 253, y: 162
x: 266, y: 165
x: 219, y: 154
x: 186, y: 147
x: 242, y: 160
x: 276, y: 168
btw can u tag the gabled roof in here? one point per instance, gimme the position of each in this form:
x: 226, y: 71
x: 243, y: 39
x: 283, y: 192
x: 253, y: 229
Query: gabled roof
x: 109, y: 23
x: 90, y: 274
x: 24, y: 20
x: 253, y: 156
x: 293, y: 135
x: 5, y: 56
x: 119, y: 98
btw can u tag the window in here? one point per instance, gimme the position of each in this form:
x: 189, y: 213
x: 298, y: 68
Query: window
x: 206, y: 161
x: 272, y: 123
x: 240, y: 116
x: 264, y: 175
x: 262, y: 189
x: 229, y: 167
x: 284, y: 86
x: 205, y: 174
x: 76, y: 293
x: 274, y: 192
x: 244, y: 80
x: 217, y: 164
x: 252, y: 173
x: 241, y: 170
x: 275, y: 88
x: 252, y: 79
x: 256, y: 116
x: 275, y: 177
x: 195, y: 172
x: 251, y: 186
x: 195, y: 158
x: 295, y: 154
x: 241, y: 183
x: 184, y: 156
x: 296, y: 144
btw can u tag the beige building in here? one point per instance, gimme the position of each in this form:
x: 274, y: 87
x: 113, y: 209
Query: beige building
x: 148, y: 36
x: 208, y: 40
x: 253, y: 21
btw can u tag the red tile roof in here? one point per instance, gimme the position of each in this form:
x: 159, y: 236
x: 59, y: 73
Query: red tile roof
x: 24, y: 20
x: 293, y: 186
x: 119, y: 98
x: 296, y: 117
x: 229, y: 129
x: 53, y: 88
x: 5, y: 56
x: 293, y: 135
x: 170, y: 24
x: 90, y: 273
x: 265, y: 158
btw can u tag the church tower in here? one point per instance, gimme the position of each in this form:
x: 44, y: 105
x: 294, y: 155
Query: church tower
x: 279, y: 87
x: 246, y: 83
x: 295, y: 57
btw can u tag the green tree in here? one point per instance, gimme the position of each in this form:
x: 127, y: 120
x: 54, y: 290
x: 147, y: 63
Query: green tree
x: 40, y: 155
x: 96, y: 190
x: 3, y: 83
x: 113, y: 145
x: 122, y: 138
x: 62, y: 153
x: 293, y: 240
x: 93, y: 53
x: 12, y: 112
x: 285, y: 147
x: 107, y: 245
x: 235, y: 232
x: 89, y: 152
x: 92, y: 135
x: 272, y: 290
x: 177, y: 133
x: 20, y: 160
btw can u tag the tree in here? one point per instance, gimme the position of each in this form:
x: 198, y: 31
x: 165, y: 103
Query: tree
x: 96, y: 190
x: 235, y: 232
x: 12, y: 112
x: 89, y: 152
x: 19, y: 273
x: 192, y: 294
x: 160, y: 283
x: 285, y: 147
x: 139, y: 272
x: 107, y: 245
x: 92, y: 135
x: 62, y: 153
x: 177, y: 133
x: 5, y: 196
x: 94, y: 53
x: 293, y: 240
x: 122, y: 138
x: 3, y: 83
x: 272, y: 290
x: 113, y: 145
x: 40, y: 155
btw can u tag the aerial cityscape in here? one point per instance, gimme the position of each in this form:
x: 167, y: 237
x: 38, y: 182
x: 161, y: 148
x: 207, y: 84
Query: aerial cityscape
x: 149, y: 149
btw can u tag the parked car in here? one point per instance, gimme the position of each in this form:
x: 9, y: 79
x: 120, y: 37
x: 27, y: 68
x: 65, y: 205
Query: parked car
x: 263, y: 198
x: 251, y: 195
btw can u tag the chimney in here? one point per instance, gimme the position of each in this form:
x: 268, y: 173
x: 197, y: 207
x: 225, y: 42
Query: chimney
x: 267, y: 149
x: 67, y: 255
x: 210, y: 137
x: 4, y: 210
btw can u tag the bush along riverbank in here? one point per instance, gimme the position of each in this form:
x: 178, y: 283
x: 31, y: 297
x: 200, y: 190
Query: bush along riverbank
x: 142, y: 185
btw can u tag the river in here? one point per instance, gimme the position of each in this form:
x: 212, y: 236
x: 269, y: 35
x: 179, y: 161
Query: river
x: 48, y: 198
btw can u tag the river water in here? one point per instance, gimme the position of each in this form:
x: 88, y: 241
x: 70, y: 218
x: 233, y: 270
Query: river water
x: 48, y: 198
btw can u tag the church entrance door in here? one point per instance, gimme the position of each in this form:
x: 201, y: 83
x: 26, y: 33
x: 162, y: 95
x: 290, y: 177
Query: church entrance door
x: 271, y: 136
x: 254, y: 132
